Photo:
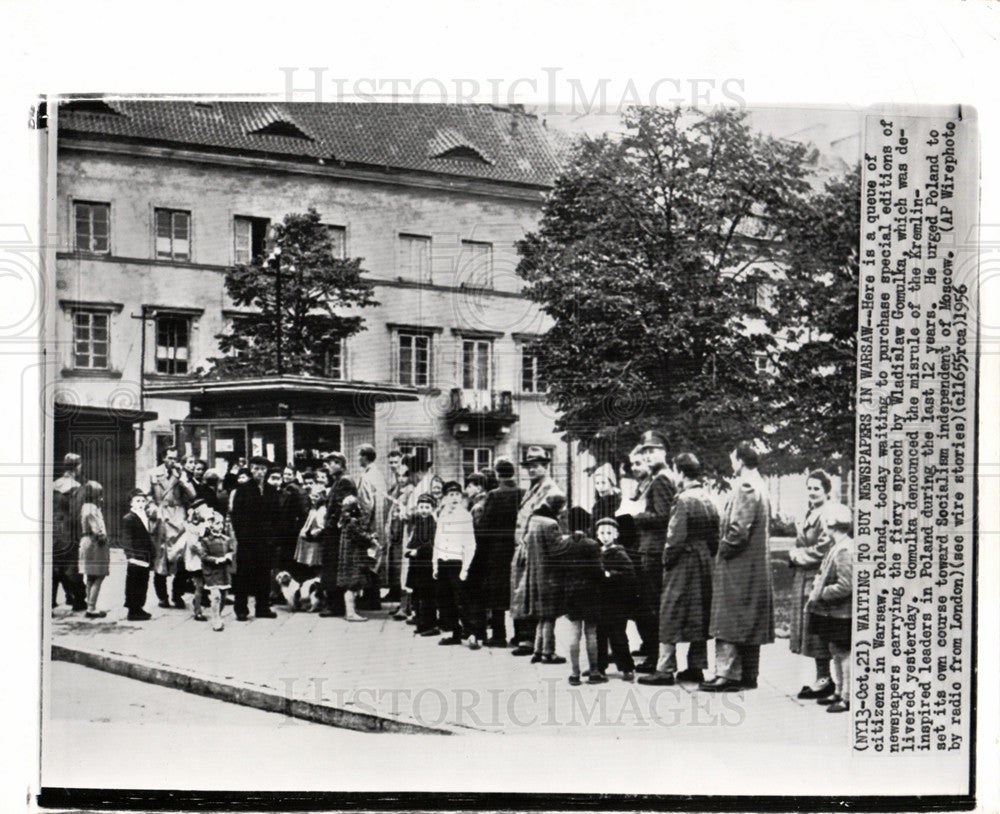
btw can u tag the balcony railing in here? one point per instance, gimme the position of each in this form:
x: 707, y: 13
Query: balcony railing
x: 482, y: 402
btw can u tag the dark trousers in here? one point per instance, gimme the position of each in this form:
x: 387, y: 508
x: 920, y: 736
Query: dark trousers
x: 136, y: 586
x: 455, y: 610
x: 496, y: 621
x: 425, y: 606
x: 648, y: 617
x: 612, y: 631
x: 178, y: 587
x: 67, y: 575
x: 255, y: 582
x: 524, y: 631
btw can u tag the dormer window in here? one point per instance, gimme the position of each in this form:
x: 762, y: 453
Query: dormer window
x: 463, y: 153
x: 281, y: 128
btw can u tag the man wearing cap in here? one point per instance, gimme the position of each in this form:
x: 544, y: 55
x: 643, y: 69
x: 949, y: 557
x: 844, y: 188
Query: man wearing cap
x: 66, y: 534
x: 742, y: 597
x: 341, y: 487
x: 255, y: 505
x: 536, y: 461
x: 495, y: 549
x: 651, y: 525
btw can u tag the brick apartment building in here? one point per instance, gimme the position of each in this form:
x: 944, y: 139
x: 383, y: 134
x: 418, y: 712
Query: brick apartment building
x: 157, y: 199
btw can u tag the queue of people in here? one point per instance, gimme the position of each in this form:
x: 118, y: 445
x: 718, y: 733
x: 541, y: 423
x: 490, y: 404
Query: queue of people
x: 458, y: 557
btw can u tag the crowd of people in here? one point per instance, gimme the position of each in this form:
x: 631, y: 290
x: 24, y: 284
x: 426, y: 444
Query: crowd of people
x: 458, y: 558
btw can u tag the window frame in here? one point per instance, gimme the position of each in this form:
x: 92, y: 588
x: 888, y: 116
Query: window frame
x: 342, y: 345
x: 91, y: 312
x: 251, y: 221
x: 332, y: 229
x: 413, y: 335
x: 405, y: 272
x: 491, y: 457
x: 469, y: 271
x: 535, y: 389
x: 172, y: 256
x: 407, y: 445
x: 188, y: 319
x: 76, y: 234
x: 475, y: 342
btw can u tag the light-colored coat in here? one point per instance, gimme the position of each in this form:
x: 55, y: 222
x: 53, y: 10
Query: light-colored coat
x: 811, y: 544
x: 533, y: 499
x: 742, y: 596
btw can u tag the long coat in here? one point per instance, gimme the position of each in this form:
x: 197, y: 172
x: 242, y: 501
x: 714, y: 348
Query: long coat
x: 95, y: 553
x: 66, y: 522
x: 495, y: 544
x: 173, y: 498
x: 811, y: 544
x: 354, y: 563
x: 742, y: 598
x: 582, y: 577
x: 342, y: 488
x: 532, y: 499
x: 545, y: 543
x: 651, y: 524
x: 254, y: 514
x: 686, y: 598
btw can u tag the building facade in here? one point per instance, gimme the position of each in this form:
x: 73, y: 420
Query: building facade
x: 156, y: 200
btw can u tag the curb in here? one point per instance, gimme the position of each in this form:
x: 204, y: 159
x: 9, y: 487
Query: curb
x: 246, y: 695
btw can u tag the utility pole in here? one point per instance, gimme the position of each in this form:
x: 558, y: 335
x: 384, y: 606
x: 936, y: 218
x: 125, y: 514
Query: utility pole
x: 276, y: 260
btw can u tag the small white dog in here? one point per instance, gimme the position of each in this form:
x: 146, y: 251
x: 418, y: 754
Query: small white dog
x: 306, y: 596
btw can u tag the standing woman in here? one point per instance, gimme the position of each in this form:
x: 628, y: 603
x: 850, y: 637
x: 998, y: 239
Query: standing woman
x: 95, y: 553
x: 811, y: 544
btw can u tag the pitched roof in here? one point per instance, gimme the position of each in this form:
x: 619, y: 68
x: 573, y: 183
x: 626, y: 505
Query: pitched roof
x: 437, y: 138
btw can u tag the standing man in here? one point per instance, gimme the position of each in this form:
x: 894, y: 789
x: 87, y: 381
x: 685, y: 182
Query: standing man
x: 66, y: 534
x: 400, y: 485
x: 495, y: 550
x: 742, y: 598
x: 172, y: 487
x: 651, y: 526
x: 341, y: 487
x: 255, y: 505
x: 536, y: 461
x: 686, y: 601
x: 371, y: 501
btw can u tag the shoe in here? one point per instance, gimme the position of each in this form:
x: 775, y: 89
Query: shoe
x: 536, y: 657
x: 596, y: 678
x: 749, y: 683
x: 720, y: 684
x: 473, y: 643
x: 179, y: 604
x: 628, y: 676
x: 553, y: 659
x: 326, y: 613
x: 163, y: 604
x: 78, y: 608
x: 400, y: 616
x: 522, y: 650
x: 268, y: 614
x: 138, y: 616
x: 95, y: 614
x: 217, y: 626
x: 839, y: 706
x: 431, y: 631
x: 449, y: 640
x: 639, y: 654
x: 658, y: 680
x: 354, y: 617
x: 495, y: 642
x: 808, y: 692
x: 829, y: 700
x: 241, y: 617
x: 648, y: 666
x: 200, y: 617
x: 691, y: 674
x: 574, y: 680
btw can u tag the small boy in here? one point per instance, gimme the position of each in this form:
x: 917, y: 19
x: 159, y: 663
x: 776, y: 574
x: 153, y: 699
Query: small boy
x: 454, y: 548
x: 419, y: 579
x: 618, y: 599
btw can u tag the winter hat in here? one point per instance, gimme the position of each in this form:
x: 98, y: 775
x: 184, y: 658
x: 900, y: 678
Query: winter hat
x: 607, y: 521
x: 451, y: 486
x: 426, y: 498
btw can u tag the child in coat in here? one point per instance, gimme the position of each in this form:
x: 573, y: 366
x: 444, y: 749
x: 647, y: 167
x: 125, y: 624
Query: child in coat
x: 354, y: 558
x: 829, y: 604
x: 195, y: 526
x: 419, y: 577
x: 580, y: 566
x: 215, y: 549
x: 619, y: 592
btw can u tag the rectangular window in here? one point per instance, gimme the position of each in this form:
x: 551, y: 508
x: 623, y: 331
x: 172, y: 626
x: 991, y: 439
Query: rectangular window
x: 529, y: 372
x: 475, y: 459
x: 415, y: 258
x: 250, y: 235
x: 762, y: 363
x: 338, y: 242
x: 422, y: 453
x: 477, y: 364
x: 173, y: 234
x: 93, y: 227
x: 172, y: 344
x: 414, y: 359
x: 477, y: 263
x: 91, y: 340
x: 335, y: 361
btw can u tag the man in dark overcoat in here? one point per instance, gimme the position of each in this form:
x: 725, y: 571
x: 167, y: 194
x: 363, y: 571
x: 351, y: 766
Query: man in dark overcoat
x: 651, y: 526
x: 495, y: 549
x: 742, y: 596
x: 255, y: 513
x: 341, y: 487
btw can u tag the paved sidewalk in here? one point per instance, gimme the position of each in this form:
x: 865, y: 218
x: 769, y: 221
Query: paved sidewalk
x: 379, y: 676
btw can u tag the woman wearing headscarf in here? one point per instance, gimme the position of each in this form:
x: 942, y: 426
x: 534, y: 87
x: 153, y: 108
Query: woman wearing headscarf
x: 607, y: 496
x: 95, y: 553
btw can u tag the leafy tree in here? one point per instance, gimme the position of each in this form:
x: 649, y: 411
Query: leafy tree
x: 647, y: 259
x: 299, y: 292
x: 817, y: 302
